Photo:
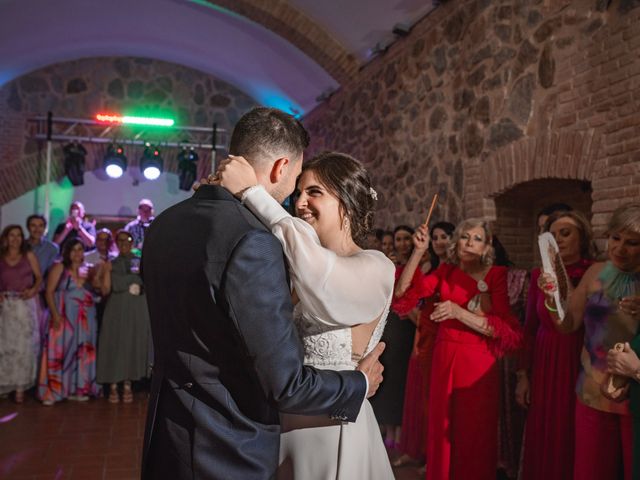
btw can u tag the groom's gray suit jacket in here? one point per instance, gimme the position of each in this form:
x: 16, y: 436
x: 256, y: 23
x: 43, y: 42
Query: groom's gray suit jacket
x: 227, y: 357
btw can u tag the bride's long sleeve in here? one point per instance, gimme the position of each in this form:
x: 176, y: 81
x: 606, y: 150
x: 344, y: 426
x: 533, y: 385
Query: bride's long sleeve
x: 341, y: 291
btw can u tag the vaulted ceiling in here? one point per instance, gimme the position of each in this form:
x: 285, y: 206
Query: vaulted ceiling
x: 283, y: 53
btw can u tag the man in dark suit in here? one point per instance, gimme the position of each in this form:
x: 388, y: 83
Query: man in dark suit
x: 227, y: 357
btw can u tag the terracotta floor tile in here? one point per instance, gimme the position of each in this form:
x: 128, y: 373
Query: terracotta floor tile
x: 92, y: 440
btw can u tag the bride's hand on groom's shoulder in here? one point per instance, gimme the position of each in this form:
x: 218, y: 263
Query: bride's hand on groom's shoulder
x: 234, y: 173
x: 370, y: 365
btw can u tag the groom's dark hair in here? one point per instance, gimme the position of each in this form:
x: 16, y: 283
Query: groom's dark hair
x: 267, y: 132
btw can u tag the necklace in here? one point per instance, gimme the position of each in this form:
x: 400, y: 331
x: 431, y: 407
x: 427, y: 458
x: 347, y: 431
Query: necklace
x: 475, y: 302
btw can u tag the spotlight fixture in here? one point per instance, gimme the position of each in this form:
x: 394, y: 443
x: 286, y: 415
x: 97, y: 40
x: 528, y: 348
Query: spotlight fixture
x: 151, y: 162
x: 187, y: 168
x: 115, y: 161
x: 74, y: 154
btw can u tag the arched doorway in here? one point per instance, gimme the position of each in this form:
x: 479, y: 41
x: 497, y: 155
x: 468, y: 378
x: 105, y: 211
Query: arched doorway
x: 517, y: 209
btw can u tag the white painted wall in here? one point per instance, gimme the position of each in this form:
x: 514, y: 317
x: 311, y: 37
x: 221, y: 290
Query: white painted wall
x: 100, y: 195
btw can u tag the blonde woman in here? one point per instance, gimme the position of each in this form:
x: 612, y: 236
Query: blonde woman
x: 607, y: 303
x: 465, y: 384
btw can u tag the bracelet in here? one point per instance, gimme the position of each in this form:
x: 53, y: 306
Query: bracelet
x: 551, y: 309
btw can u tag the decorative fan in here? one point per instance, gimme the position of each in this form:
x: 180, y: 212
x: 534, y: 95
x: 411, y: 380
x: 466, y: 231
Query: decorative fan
x: 552, y: 264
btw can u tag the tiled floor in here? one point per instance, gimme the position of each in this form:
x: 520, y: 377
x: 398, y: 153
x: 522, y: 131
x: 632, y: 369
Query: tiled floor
x: 87, y: 441
x: 71, y: 440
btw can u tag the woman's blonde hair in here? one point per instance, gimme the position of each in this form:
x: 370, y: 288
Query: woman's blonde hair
x: 625, y: 217
x: 587, y: 248
x: 463, y: 227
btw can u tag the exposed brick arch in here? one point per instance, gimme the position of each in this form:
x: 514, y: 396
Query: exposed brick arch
x: 564, y: 154
x: 294, y: 26
x: 519, y: 179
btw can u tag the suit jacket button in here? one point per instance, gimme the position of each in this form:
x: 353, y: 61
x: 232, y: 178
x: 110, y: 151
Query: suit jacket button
x: 187, y: 385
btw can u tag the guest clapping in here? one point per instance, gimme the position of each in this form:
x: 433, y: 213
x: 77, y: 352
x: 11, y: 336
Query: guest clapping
x: 124, y: 339
x: 68, y: 365
x: 19, y: 283
x: 137, y: 228
x: 76, y: 226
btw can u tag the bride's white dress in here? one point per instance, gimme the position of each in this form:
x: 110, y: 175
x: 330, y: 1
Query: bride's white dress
x: 335, y: 294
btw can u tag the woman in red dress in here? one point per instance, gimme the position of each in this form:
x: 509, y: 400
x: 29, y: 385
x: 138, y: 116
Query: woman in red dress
x: 414, y: 414
x: 552, y: 360
x: 464, y: 388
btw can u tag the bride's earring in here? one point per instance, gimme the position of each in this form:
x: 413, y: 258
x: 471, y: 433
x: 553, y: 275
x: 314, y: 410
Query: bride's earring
x: 345, y: 223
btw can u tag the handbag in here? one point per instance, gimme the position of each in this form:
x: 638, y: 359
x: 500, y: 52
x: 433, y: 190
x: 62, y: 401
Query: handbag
x: 615, y: 387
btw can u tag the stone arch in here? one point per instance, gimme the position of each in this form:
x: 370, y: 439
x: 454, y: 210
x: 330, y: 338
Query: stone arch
x: 517, y: 209
x: 298, y: 29
x: 563, y: 154
x: 513, y: 183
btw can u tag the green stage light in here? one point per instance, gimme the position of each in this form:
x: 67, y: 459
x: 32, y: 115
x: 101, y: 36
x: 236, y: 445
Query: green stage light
x: 131, y: 120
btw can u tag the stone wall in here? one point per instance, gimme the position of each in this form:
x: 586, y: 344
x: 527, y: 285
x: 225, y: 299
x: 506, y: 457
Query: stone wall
x: 485, y: 95
x: 82, y: 88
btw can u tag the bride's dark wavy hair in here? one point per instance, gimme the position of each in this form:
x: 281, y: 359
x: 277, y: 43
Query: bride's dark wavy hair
x: 347, y: 179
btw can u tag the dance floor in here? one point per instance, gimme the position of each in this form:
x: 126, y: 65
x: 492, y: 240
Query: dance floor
x: 80, y: 441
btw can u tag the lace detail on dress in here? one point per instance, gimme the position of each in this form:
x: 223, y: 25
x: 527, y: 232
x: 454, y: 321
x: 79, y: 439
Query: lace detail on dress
x: 329, y: 347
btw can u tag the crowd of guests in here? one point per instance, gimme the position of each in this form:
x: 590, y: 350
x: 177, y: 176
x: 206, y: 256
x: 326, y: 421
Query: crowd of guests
x: 481, y: 372
x: 73, y: 315
x: 484, y: 374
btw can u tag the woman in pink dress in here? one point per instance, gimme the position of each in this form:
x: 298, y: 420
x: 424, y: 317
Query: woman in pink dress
x: 550, y: 362
x: 607, y: 303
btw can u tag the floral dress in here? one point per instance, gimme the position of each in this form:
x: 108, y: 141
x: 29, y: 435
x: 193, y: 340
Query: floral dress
x: 68, y: 362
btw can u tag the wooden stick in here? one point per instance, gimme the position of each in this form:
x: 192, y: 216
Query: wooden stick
x: 433, y: 205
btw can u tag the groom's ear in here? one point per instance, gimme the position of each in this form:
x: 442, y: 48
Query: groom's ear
x: 279, y: 169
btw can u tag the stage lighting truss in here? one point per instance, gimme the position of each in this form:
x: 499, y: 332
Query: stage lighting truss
x: 74, y: 161
x: 187, y: 168
x: 115, y: 161
x: 151, y: 162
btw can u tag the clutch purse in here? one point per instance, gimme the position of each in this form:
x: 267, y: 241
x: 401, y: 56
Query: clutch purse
x: 615, y: 387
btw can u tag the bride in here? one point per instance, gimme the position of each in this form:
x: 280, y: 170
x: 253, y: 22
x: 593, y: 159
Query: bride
x: 343, y: 295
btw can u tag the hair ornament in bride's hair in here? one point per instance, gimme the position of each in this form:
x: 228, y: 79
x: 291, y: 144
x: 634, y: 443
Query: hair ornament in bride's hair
x: 373, y: 193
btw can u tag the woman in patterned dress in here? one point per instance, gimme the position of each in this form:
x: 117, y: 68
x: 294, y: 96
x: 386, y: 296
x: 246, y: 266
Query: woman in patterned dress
x: 19, y: 283
x: 68, y: 363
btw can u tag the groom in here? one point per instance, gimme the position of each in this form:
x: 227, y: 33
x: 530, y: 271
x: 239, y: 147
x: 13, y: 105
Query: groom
x: 227, y: 357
